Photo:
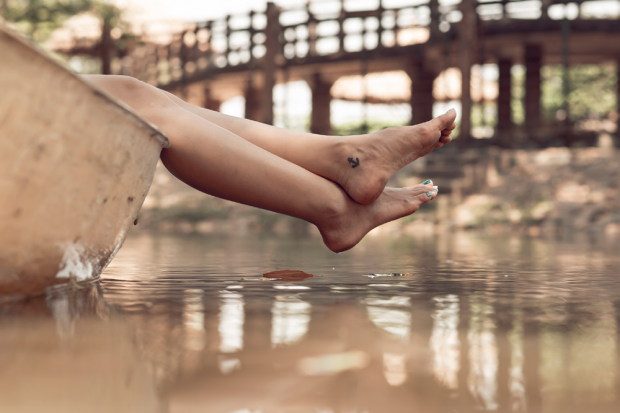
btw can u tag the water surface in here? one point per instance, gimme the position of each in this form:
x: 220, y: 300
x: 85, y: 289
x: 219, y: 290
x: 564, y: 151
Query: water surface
x: 451, y: 323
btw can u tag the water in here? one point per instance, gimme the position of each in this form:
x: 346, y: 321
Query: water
x: 452, y: 323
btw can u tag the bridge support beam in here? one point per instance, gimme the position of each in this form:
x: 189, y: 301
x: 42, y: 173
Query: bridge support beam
x: 421, y: 92
x: 268, y: 66
x: 467, y: 55
x: 253, y: 109
x: 504, y: 98
x: 533, y: 64
x: 209, y: 102
x: 320, y: 121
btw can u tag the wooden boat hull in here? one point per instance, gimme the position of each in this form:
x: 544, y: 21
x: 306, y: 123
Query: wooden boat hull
x: 75, y: 167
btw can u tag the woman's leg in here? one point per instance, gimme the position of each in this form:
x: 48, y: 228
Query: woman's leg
x: 360, y: 164
x: 216, y: 161
x: 376, y: 156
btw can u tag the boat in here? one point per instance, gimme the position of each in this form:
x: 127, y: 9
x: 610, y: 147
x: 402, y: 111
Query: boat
x: 75, y: 167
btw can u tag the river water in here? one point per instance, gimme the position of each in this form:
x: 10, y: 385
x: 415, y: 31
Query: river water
x: 450, y: 323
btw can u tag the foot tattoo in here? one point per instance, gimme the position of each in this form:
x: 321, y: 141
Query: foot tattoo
x: 354, y: 162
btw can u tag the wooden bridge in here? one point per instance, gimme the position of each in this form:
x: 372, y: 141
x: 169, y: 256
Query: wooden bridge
x: 322, y: 41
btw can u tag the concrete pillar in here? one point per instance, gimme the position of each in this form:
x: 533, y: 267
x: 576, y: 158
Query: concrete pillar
x: 533, y: 63
x: 320, y: 121
x: 467, y: 56
x: 268, y: 63
x: 421, y: 92
x: 504, y: 98
x: 105, y: 48
x: 435, y: 18
x: 253, y: 109
x: 210, y: 102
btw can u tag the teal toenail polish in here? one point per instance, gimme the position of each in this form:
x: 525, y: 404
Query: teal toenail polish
x: 429, y: 194
x: 428, y: 181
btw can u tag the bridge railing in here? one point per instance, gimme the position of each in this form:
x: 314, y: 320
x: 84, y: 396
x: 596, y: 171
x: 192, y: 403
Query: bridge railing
x: 298, y: 35
x: 316, y: 29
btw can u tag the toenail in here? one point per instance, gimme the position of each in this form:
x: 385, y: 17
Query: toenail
x: 429, y: 194
x: 428, y: 181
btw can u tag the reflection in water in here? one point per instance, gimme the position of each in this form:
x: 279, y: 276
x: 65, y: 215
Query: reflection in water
x: 392, y: 315
x: 444, y: 343
x: 329, y: 364
x: 483, y: 354
x: 516, y: 382
x: 231, y: 322
x: 66, y: 353
x: 65, y: 318
x: 576, y: 363
x: 394, y: 368
x: 193, y: 319
x: 228, y: 364
x: 510, y: 324
x: 289, y: 319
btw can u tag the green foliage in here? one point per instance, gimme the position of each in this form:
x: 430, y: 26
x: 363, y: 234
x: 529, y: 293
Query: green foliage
x: 39, y: 18
x: 592, y: 91
x: 484, y: 114
x: 518, y: 94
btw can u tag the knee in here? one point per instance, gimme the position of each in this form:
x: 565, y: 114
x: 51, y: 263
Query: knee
x: 129, y: 90
x: 114, y: 84
x: 148, y: 101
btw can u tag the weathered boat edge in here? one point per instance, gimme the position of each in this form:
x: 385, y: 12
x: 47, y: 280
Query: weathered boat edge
x: 91, y: 258
x: 14, y: 35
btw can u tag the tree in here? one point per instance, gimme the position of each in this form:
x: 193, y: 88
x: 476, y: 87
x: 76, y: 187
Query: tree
x: 39, y: 18
x: 592, y: 91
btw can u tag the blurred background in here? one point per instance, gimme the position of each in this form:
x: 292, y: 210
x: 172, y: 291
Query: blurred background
x: 535, y: 84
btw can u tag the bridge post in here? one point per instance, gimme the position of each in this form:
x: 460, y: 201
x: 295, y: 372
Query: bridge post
x: 533, y: 64
x: 435, y: 15
x: 253, y: 107
x: 106, y: 46
x: 320, y: 121
x: 467, y: 43
x: 504, y: 98
x: 210, y: 102
x: 272, y: 43
x: 421, y: 92
x: 341, y: 17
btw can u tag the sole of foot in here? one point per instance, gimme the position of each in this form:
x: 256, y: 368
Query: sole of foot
x: 344, y: 230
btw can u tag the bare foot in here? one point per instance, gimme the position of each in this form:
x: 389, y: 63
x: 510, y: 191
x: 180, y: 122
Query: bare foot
x: 364, y: 163
x: 343, y: 229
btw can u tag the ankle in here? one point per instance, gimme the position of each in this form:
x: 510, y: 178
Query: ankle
x: 330, y: 208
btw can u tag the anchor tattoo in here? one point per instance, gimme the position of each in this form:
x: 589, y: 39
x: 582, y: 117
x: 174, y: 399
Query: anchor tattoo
x: 354, y: 162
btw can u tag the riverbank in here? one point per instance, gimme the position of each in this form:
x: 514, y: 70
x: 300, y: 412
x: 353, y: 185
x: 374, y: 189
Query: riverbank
x: 525, y: 191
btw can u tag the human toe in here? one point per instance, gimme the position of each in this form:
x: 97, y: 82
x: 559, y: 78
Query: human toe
x: 445, y: 122
x: 431, y: 191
